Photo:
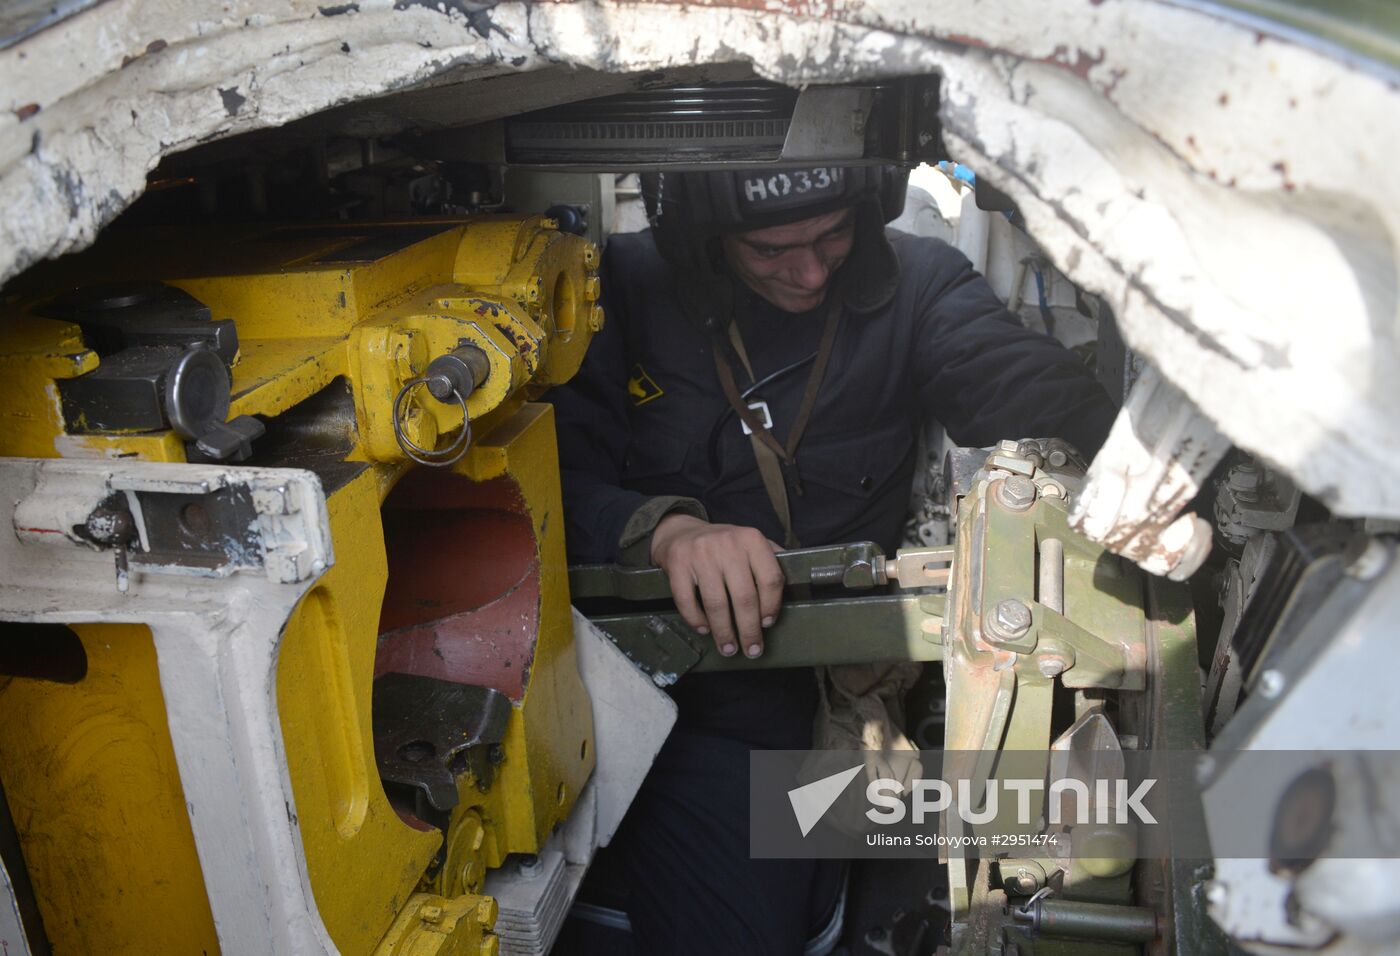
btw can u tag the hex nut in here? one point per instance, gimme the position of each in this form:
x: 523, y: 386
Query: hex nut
x: 1017, y: 492
x: 1009, y: 620
x: 1244, y: 477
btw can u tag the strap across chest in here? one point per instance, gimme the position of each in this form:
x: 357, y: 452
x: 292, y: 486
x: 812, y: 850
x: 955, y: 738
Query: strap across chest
x: 776, y: 460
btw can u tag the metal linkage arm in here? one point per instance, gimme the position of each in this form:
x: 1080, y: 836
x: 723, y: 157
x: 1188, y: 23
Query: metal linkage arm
x: 842, y: 629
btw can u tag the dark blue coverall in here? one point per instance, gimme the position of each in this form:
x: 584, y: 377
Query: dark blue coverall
x: 644, y: 429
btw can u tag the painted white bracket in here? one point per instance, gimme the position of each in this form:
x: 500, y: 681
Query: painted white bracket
x: 217, y: 634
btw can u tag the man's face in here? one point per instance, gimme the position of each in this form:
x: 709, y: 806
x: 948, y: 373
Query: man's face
x: 791, y: 266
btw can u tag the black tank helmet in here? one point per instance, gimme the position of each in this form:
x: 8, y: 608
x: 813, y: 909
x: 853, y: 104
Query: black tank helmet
x: 690, y: 211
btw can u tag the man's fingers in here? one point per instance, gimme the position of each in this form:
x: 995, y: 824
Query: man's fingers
x: 768, y: 575
x: 739, y: 580
x: 682, y: 580
x: 743, y: 597
x: 715, y: 599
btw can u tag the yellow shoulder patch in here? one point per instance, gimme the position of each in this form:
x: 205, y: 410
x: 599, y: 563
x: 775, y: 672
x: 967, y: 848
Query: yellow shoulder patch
x: 641, y: 386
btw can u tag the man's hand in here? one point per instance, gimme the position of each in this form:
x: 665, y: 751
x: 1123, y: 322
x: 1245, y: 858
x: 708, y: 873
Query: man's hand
x: 732, y: 567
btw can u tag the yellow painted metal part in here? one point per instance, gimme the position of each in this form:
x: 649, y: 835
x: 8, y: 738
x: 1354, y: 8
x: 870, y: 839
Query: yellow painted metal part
x: 372, y: 304
x: 364, y: 861
x: 363, y: 308
x: 548, y: 745
x: 434, y: 926
x: 90, y: 775
x: 34, y: 352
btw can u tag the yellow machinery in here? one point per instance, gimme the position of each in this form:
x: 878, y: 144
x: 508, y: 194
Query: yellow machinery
x: 432, y: 652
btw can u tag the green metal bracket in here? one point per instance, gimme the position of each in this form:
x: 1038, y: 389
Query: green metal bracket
x: 856, y: 566
x: 867, y: 629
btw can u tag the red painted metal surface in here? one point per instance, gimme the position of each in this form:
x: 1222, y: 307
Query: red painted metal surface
x: 462, y: 602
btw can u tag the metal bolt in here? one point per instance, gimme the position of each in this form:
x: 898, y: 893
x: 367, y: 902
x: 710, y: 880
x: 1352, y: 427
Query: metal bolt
x: 1017, y: 492
x: 529, y: 866
x: 1058, y: 459
x: 1244, y: 477
x: 111, y: 525
x: 1026, y: 881
x: 1009, y: 620
x: 1272, y: 683
x: 1051, y: 666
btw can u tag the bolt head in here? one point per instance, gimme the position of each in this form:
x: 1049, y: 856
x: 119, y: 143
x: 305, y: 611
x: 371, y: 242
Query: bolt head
x: 1051, y: 666
x: 1010, y: 620
x: 111, y: 526
x: 1058, y: 459
x: 1025, y: 882
x: 1017, y: 492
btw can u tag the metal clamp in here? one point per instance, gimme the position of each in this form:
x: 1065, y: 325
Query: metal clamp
x: 425, y: 456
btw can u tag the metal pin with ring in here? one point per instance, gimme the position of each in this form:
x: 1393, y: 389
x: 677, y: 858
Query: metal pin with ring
x: 454, y: 375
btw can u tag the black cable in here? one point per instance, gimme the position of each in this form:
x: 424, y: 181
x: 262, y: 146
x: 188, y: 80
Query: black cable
x: 712, y: 446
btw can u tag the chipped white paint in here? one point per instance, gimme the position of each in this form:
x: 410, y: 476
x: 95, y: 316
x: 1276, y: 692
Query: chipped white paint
x: 216, y: 645
x: 291, y: 525
x: 1227, y: 190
